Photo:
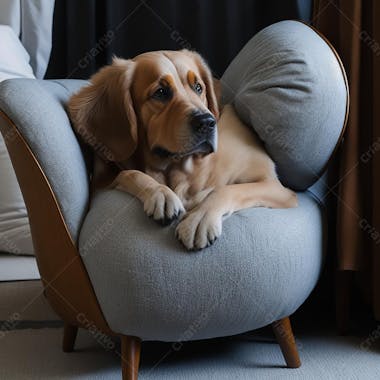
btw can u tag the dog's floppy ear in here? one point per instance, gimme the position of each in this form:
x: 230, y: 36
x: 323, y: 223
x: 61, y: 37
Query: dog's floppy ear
x: 103, y: 114
x: 207, y: 78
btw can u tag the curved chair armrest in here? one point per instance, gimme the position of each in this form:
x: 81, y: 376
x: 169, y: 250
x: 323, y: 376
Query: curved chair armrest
x: 65, y: 279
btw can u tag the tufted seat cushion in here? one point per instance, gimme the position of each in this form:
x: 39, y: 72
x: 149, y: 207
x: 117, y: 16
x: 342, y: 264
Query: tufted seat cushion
x: 262, y: 268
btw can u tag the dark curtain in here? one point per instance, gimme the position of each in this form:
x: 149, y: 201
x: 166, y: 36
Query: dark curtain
x: 353, y: 28
x: 87, y: 33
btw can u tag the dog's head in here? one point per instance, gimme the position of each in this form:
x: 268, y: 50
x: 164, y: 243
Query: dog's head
x: 162, y: 102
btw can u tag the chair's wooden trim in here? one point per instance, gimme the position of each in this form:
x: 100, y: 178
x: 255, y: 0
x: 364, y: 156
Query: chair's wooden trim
x: 283, y: 331
x: 65, y: 279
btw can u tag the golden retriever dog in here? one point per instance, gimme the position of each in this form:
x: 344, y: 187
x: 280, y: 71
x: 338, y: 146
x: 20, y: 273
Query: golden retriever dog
x: 155, y: 123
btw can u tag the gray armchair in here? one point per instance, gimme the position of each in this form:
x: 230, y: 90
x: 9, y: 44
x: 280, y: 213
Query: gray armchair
x: 105, y: 265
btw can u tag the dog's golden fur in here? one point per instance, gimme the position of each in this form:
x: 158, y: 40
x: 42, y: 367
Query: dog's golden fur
x: 154, y: 117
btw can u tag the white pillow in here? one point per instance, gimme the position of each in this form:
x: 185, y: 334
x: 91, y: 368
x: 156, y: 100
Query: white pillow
x: 15, y: 234
x: 14, y: 59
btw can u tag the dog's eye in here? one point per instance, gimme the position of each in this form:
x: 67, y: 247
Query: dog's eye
x: 162, y: 94
x: 198, y: 88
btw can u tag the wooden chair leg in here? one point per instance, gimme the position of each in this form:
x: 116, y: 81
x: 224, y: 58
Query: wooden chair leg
x: 69, y: 335
x: 130, y: 357
x: 283, y: 331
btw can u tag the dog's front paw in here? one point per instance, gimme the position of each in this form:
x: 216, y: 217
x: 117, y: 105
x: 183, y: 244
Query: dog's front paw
x: 199, y: 229
x: 163, y: 205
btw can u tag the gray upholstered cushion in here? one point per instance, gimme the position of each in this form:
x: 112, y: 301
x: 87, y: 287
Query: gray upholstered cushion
x: 37, y: 109
x: 289, y: 85
x: 262, y: 268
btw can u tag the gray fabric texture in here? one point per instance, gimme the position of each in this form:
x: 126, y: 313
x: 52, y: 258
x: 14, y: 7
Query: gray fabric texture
x: 37, y: 109
x: 262, y: 268
x: 320, y: 189
x: 288, y: 84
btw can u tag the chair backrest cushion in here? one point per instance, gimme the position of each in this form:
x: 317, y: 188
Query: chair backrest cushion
x: 37, y: 108
x: 290, y: 86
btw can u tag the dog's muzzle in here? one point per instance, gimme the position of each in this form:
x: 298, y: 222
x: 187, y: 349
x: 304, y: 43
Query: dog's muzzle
x: 203, y: 138
x: 204, y: 133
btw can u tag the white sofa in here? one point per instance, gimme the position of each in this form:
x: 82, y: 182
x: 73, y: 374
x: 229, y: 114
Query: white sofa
x: 25, y: 35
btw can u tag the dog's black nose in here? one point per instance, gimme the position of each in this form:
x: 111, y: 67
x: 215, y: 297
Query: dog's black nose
x: 203, y: 123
